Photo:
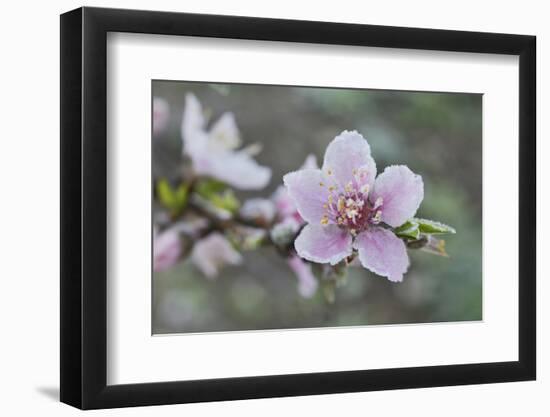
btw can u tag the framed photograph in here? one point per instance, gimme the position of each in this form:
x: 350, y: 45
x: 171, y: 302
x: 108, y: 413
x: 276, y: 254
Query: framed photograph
x: 257, y: 208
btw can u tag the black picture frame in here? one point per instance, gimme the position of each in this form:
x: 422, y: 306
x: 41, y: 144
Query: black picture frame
x: 84, y: 207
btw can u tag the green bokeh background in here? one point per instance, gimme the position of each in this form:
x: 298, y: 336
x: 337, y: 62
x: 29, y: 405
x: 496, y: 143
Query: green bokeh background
x: 438, y: 135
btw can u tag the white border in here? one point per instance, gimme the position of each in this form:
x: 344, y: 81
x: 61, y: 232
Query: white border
x: 135, y: 356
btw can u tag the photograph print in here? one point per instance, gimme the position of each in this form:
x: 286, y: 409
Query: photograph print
x: 292, y: 207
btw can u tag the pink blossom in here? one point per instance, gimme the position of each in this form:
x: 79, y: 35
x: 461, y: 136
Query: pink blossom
x: 284, y: 203
x: 166, y: 250
x: 258, y: 209
x: 211, y: 253
x: 307, y: 284
x: 161, y: 115
x: 214, y: 151
x: 289, y: 223
x: 347, y: 207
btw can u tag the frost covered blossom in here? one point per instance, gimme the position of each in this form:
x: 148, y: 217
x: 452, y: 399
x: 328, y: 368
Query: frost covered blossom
x: 211, y: 253
x: 161, y: 115
x: 166, y: 249
x: 289, y: 223
x: 286, y: 208
x: 214, y: 151
x: 347, y: 207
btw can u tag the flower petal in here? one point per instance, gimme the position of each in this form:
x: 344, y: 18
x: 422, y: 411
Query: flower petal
x: 347, y: 153
x: 193, y: 118
x: 310, y: 162
x: 307, y: 284
x: 323, y: 244
x: 211, y: 253
x: 309, y: 192
x: 401, y: 191
x: 285, y: 204
x: 383, y: 253
x: 237, y: 169
x: 258, y: 209
x: 225, y: 133
x: 161, y: 115
x: 166, y: 250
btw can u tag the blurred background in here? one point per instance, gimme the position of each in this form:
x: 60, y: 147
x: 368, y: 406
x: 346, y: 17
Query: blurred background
x: 437, y: 135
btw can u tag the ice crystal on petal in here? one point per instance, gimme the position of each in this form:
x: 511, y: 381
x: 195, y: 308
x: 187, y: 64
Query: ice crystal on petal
x: 345, y: 202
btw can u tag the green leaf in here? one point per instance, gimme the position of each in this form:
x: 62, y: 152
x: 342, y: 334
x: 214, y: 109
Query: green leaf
x: 432, y: 227
x: 207, y: 188
x: 165, y: 193
x: 172, y: 199
x: 218, y: 194
x: 226, y: 201
x: 181, y: 194
x: 409, y: 230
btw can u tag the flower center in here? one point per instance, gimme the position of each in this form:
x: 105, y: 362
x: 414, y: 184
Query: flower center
x: 351, y: 208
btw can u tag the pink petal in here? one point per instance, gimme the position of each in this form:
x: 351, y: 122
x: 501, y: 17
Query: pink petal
x: 225, y: 133
x: 237, y: 169
x: 211, y: 253
x: 310, y: 162
x: 166, y: 250
x: 307, y: 284
x: 193, y: 120
x: 258, y: 209
x: 308, y: 189
x: 161, y: 115
x: 323, y: 244
x: 383, y: 253
x: 347, y: 153
x: 401, y: 191
x: 285, y: 204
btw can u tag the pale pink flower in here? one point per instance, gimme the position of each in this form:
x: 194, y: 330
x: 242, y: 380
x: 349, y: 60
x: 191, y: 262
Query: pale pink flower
x: 214, y: 151
x: 307, y: 283
x: 161, y: 115
x: 284, y: 203
x: 346, y: 208
x: 258, y: 209
x: 289, y: 223
x: 166, y: 250
x: 211, y: 253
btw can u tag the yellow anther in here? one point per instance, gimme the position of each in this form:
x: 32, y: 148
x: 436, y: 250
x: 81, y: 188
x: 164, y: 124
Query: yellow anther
x: 348, y: 187
x: 324, y: 220
x: 322, y: 184
x: 329, y: 171
x: 325, y: 206
x: 330, y: 199
x: 365, y: 189
x: 331, y: 188
x: 341, y: 204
